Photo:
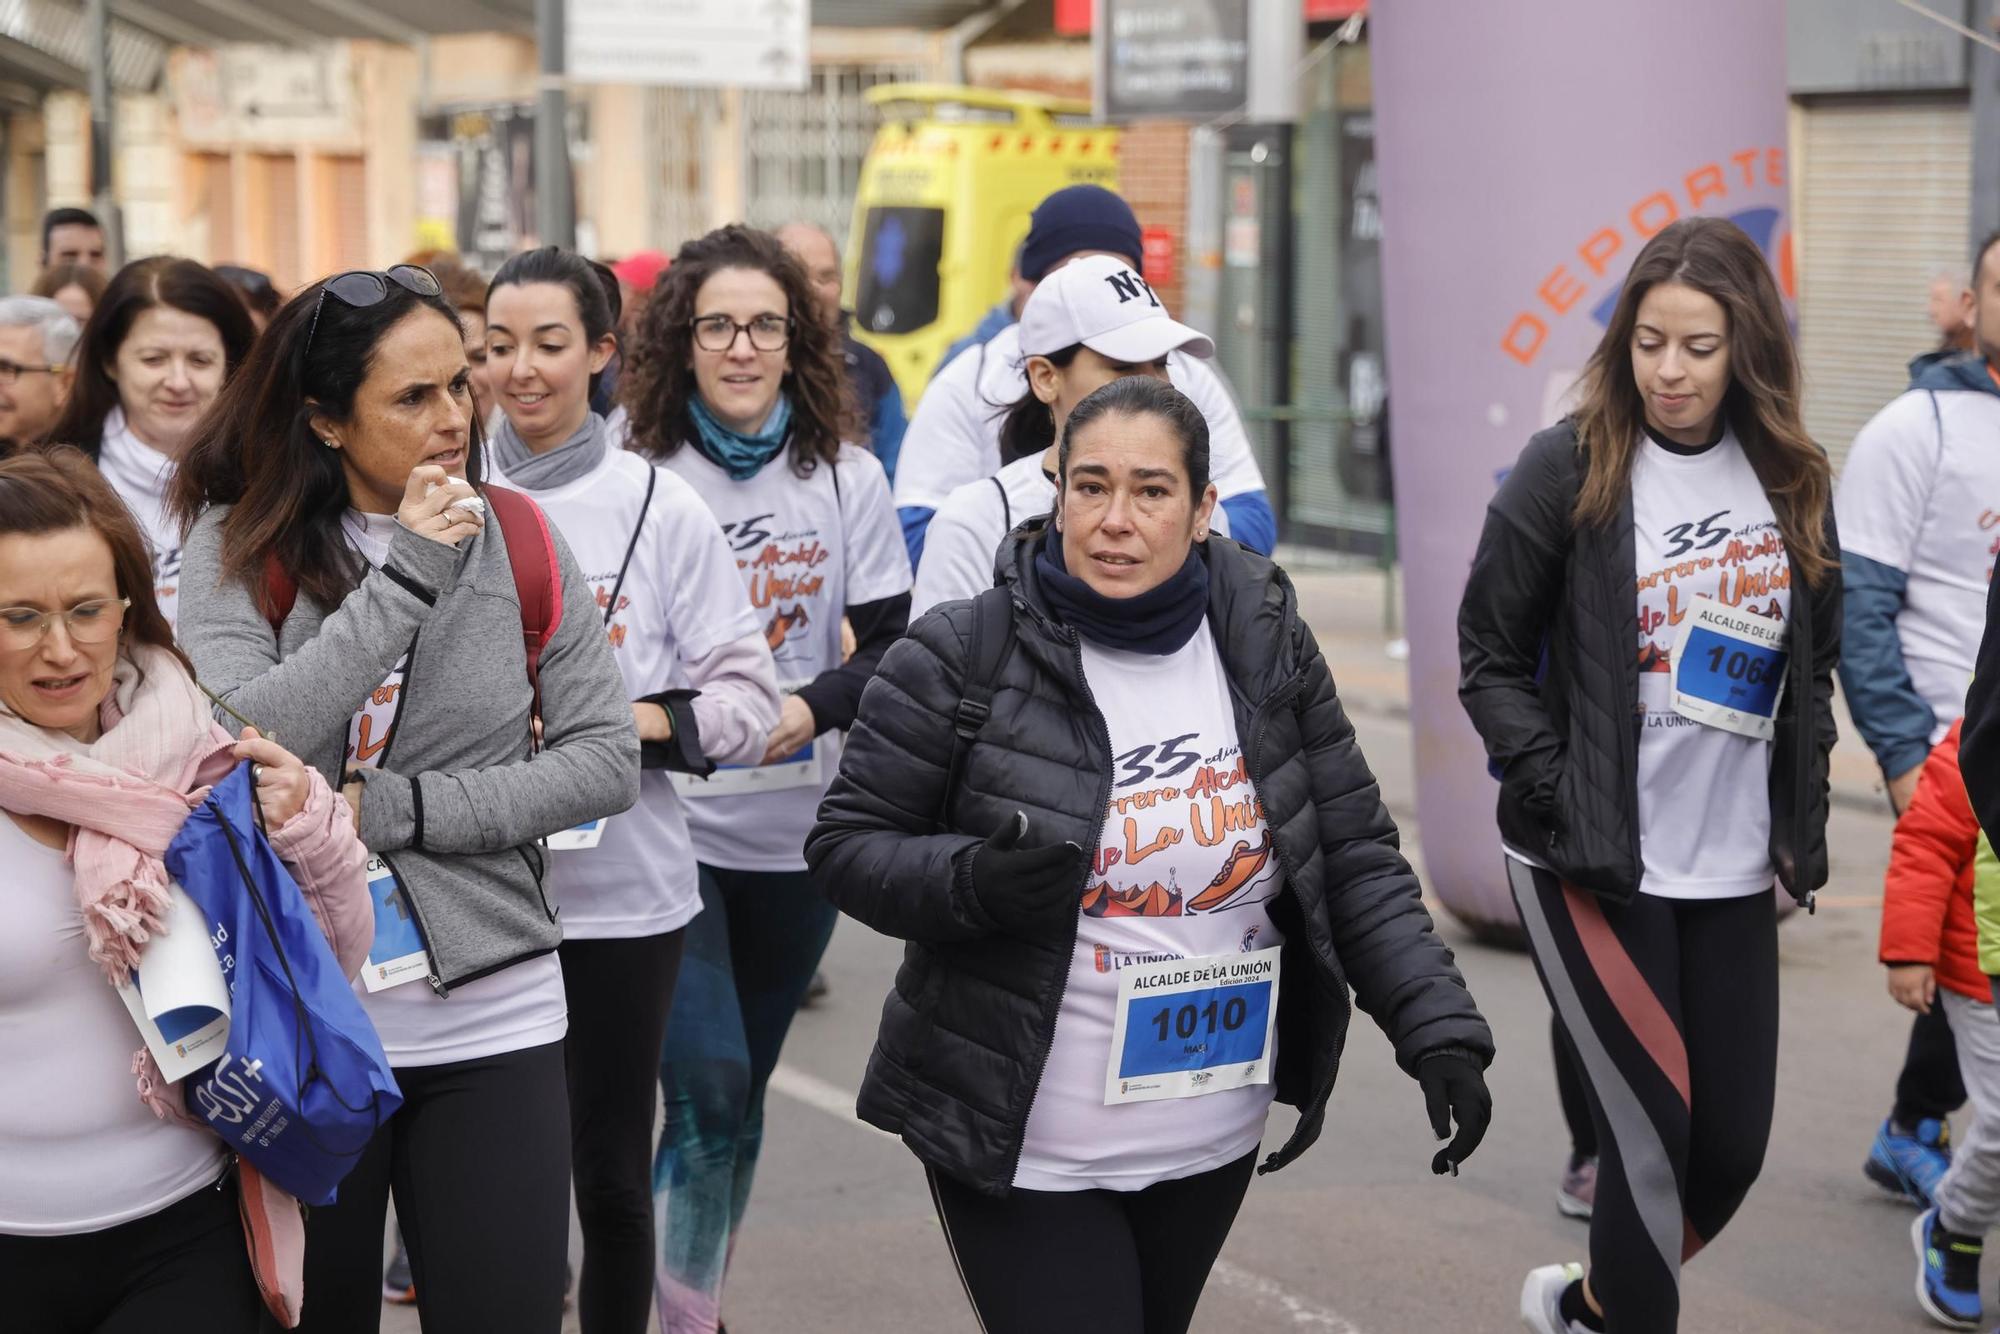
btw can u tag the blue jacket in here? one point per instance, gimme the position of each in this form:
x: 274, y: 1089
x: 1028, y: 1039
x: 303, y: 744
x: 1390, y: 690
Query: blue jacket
x: 876, y: 393
x: 1889, y: 713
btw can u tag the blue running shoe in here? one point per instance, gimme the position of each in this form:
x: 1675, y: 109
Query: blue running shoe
x: 1910, y: 1166
x: 1947, y: 1272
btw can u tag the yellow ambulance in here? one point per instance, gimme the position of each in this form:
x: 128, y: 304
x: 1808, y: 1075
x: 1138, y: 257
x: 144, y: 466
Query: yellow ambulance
x: 943, y: 204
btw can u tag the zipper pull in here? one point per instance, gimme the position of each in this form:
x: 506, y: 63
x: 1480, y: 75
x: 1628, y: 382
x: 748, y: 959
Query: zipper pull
x: 437, y: 985
x: 1812, y: 901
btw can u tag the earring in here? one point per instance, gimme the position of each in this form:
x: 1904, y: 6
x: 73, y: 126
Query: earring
x: 331, y: 443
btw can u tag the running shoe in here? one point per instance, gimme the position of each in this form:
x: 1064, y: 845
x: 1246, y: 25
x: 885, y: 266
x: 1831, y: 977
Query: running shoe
x: 398, y: 1287
x: 1541, y: 1299
x: 1909, y: 1165
x: 1947, y: 1272
x: 815, y: 991
x: 1577, y: 1194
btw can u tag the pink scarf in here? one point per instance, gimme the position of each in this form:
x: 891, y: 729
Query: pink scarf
x: 126, y: 794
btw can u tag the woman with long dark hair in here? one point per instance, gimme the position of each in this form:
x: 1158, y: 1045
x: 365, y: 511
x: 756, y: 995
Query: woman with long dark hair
x: 1647, y: 643
x: 433, y: 648
x: 166, y: 336
x: 704, y: 691
x: 735, y: 386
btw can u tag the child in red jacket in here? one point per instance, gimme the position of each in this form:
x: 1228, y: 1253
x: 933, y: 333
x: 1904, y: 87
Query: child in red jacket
x: 1930, y: 943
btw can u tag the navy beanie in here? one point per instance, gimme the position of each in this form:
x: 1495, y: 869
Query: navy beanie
x: 1074, y: 219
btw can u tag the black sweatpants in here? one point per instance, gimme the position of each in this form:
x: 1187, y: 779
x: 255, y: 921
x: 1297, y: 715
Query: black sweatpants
x: 1929, y: 1084
x: 619, y: 993
x: 478, y: 1159
x: 1090, y: 1261
x: 1672, y: 1005
x: 185, y: 1267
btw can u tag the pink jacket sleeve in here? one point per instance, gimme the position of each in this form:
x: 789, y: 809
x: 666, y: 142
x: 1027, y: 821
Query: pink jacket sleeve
x: 330, y: 863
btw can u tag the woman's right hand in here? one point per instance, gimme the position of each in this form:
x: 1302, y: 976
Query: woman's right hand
x: 1030, y: 892
x: 427, y: 509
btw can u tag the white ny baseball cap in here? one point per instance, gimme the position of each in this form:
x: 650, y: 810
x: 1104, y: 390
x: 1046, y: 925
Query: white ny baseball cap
x: 1101, y: 302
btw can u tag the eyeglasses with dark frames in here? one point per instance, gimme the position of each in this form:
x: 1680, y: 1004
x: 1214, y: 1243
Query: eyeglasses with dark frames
x: 718, y: 333
x: 12, y: 371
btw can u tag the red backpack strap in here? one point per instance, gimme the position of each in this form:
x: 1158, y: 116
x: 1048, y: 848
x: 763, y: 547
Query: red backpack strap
x: 531, y: 551
x: 281, y: 592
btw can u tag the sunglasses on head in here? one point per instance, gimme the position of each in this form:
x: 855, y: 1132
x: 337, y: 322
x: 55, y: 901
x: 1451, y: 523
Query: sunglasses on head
x: 361, y: 288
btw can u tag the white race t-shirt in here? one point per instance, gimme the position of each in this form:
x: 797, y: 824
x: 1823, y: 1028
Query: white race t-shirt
x: 681, y: 600
x: 954, y: 436
x: 1181, y: 805
x: 1702, y: 526
x: 965, y: 534
x: 141, y: 475
x: 79, y: 1151
x: 807, y: 550
x: 1920, y: 492
x: 511, y: 1010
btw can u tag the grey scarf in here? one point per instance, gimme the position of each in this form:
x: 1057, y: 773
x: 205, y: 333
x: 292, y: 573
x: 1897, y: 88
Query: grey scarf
x: 572, y: 459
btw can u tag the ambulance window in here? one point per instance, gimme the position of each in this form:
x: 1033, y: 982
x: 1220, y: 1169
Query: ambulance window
x: 900, y: 250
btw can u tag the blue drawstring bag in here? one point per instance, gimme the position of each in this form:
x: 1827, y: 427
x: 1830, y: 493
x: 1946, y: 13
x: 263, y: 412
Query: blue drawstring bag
x: 302, y: 1084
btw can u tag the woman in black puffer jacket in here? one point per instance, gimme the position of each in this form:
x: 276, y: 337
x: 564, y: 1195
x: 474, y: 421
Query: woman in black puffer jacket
x: 1118, y: 813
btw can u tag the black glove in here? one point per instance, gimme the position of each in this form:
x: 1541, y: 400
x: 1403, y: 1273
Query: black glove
x: 1454, y: 1090
x: 1027, y: 892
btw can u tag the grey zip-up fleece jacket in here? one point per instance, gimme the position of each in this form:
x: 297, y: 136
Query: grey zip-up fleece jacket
x: 458, y: 803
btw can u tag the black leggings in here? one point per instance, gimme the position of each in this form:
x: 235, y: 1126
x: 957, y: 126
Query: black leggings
x: 185, y: 1267
x: 619, y: 993
x: 1672, y: 1005
x: 1090, y: 1261
x: 478, y: 1159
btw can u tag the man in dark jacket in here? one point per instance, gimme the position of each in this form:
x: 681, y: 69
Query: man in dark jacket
x: 970, y: 1021
x: 873, y: 385
x: 1916, y: 506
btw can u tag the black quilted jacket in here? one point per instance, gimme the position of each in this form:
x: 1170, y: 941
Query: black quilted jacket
x: 966, y: 1029
x: 1565, y: 733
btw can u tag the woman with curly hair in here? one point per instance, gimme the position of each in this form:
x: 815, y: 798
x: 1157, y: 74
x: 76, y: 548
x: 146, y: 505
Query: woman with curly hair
x: 734, y: 385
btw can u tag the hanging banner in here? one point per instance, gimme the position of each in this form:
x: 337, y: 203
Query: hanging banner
x: 1525, y: 154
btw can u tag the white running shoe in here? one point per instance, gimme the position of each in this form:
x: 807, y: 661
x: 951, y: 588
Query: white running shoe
x: 1541, y: 1297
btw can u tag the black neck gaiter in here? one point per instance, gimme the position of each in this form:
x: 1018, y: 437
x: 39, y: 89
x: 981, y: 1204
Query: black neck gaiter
x: 1158, y: 621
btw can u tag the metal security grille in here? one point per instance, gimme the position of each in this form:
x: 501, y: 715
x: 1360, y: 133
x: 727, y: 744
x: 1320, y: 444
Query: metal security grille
x: 677, y: 134
x: 1883, y: 200
x: 803, y: 150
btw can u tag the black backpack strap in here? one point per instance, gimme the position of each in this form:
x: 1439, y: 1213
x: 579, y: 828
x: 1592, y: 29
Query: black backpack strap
x: 1006, y: 509
x: 611, y: 607
x: 985, y: 656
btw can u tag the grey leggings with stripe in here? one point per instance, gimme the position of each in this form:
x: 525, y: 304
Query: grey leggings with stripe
x: 1673, y: 1006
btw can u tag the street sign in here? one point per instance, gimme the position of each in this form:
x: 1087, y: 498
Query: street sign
x: 690, y: 43
x: 1175, y: 59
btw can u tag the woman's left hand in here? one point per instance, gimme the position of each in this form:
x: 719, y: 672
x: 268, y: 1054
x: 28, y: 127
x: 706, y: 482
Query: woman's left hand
x: 795, y: 727
x: 278, y: 775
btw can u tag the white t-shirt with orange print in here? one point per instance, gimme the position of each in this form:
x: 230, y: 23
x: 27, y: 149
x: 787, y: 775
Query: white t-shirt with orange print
x: 1702, y: 527
x: 1185, y: 869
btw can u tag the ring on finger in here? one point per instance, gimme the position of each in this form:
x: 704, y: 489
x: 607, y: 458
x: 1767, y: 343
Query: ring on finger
x: 256, y: 775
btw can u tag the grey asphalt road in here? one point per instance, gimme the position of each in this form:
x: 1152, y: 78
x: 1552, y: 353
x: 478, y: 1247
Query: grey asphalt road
x: 1358, y: 1237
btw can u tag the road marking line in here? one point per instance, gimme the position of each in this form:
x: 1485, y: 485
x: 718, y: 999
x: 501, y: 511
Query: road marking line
x: 818, y: 1094
x: 1302, y: 1313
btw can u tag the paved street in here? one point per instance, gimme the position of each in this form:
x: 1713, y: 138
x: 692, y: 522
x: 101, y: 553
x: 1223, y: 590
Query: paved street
x: 1358, y: 1238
